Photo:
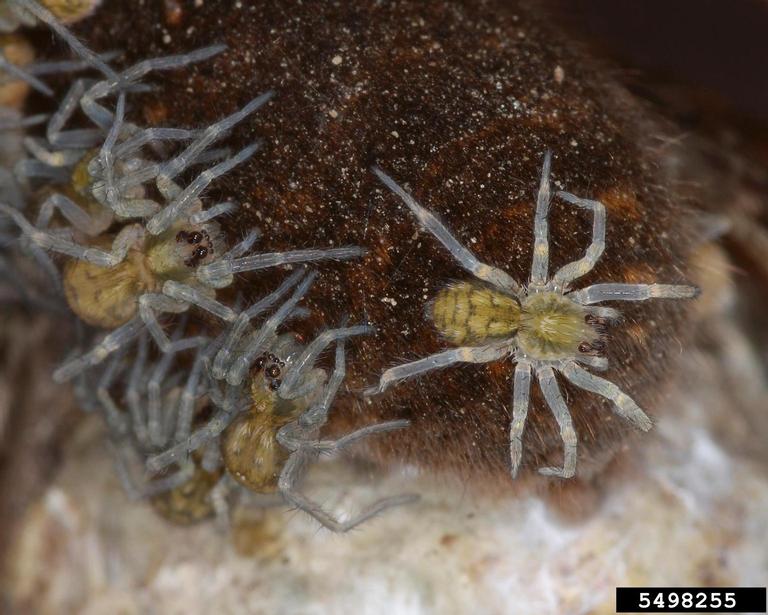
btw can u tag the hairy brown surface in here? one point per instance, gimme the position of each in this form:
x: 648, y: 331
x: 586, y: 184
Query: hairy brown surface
x: 458, y: 101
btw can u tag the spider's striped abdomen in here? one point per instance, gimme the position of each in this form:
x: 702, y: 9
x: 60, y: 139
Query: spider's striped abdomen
x: 467, y: 312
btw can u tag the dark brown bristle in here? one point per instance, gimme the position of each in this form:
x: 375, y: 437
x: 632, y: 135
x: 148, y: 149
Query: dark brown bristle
x: 457, y: 101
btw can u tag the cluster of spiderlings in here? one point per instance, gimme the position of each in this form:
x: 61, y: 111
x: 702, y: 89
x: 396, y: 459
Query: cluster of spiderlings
x: 133, y: 265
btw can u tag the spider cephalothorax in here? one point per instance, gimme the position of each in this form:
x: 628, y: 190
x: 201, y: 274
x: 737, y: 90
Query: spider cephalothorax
x: 544, y: 326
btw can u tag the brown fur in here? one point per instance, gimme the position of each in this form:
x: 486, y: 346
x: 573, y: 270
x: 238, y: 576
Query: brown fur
x: 457, y: 101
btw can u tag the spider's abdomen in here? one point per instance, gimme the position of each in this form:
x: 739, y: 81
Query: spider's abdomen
x: 468, y: 313
x: 251, y: 452
x: 190, y: 502
x: 103, y: 297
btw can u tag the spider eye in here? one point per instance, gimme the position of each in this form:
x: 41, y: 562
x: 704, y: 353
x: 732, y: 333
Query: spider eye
x: 275, y: 384
x: 259, y: 364
x: 181, y: 236
x: 201, y: 253
x: 273, y: 371
x: 195, y: 237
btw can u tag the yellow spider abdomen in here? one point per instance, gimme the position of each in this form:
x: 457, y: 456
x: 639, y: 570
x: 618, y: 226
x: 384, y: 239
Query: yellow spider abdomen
x: 104, y: 297
x: 466, y: 312
x: 190, y: 502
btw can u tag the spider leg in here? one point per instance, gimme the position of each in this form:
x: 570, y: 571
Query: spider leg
x: 56, y: 159
x: 143, y: 489
x: 72, y: 139
x: 114, y: 417
x: 540, y: 263
x: 521, y: 397
x: 240, y: 366
x: 214, y: 273
x: 214, y: 132
x: 148, y: 136
x: 465, y: 354
x: 100, y: 116
x: 570, y: 272
x: 111, y: 342
x: 556, y: 403
x: 80, y: 219
x: 624, y: 405
x: 184, y: 293
x: 238, y: 328
x: 632, y: 292
x: 291, y: 474
x: 168, y: 215
x: 228, y: 410
x: 11, y: 69
x: 192, y: 391
x: 149, y: 304
x: 292, y: 386
x: 44, y: 15
x: 133, y: 392
x: 463, y: 256
x: 219, y: 209
x: 124, y: 240
x: 157, y: 435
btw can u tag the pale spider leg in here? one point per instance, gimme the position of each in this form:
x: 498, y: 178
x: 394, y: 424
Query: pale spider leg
x: 149, y: 304
x: 169, y: 214
x: 220, y: 270
x: 219, y: 209
x: 190, y: 294
x: 73, y: 139
x: 114, y: 417
x: 10, y: 119
x: 572, y: 271
x: 632, y: 292
x: 68, y: 66
x: 63, y: 158
x: 147, y: 136
x: 211, y: 458
x: 556, y: 403
x: 222, y: 361
x: 210, y: 134
x: 81, y: 50
x: 79, y: 218
x: 192, y: 391
x: 111, y: 342
x: 291, y: 387
x: 228, y: 410
x: 100, y: 116
x: 463, y: 256
x: 139, y: 490
x: 154, y: 390
x: 28, y: 78
x: 243, y: 246
x: 126, y: 238
x: 465, y: 354
x: 240, y: 366
x: 127, y: 209
x: 540, y: 263
x: 624, y: 405
x: 133, y: 393
x: 521, y: 397
x: 34, y: 169
x: 295, y: 468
